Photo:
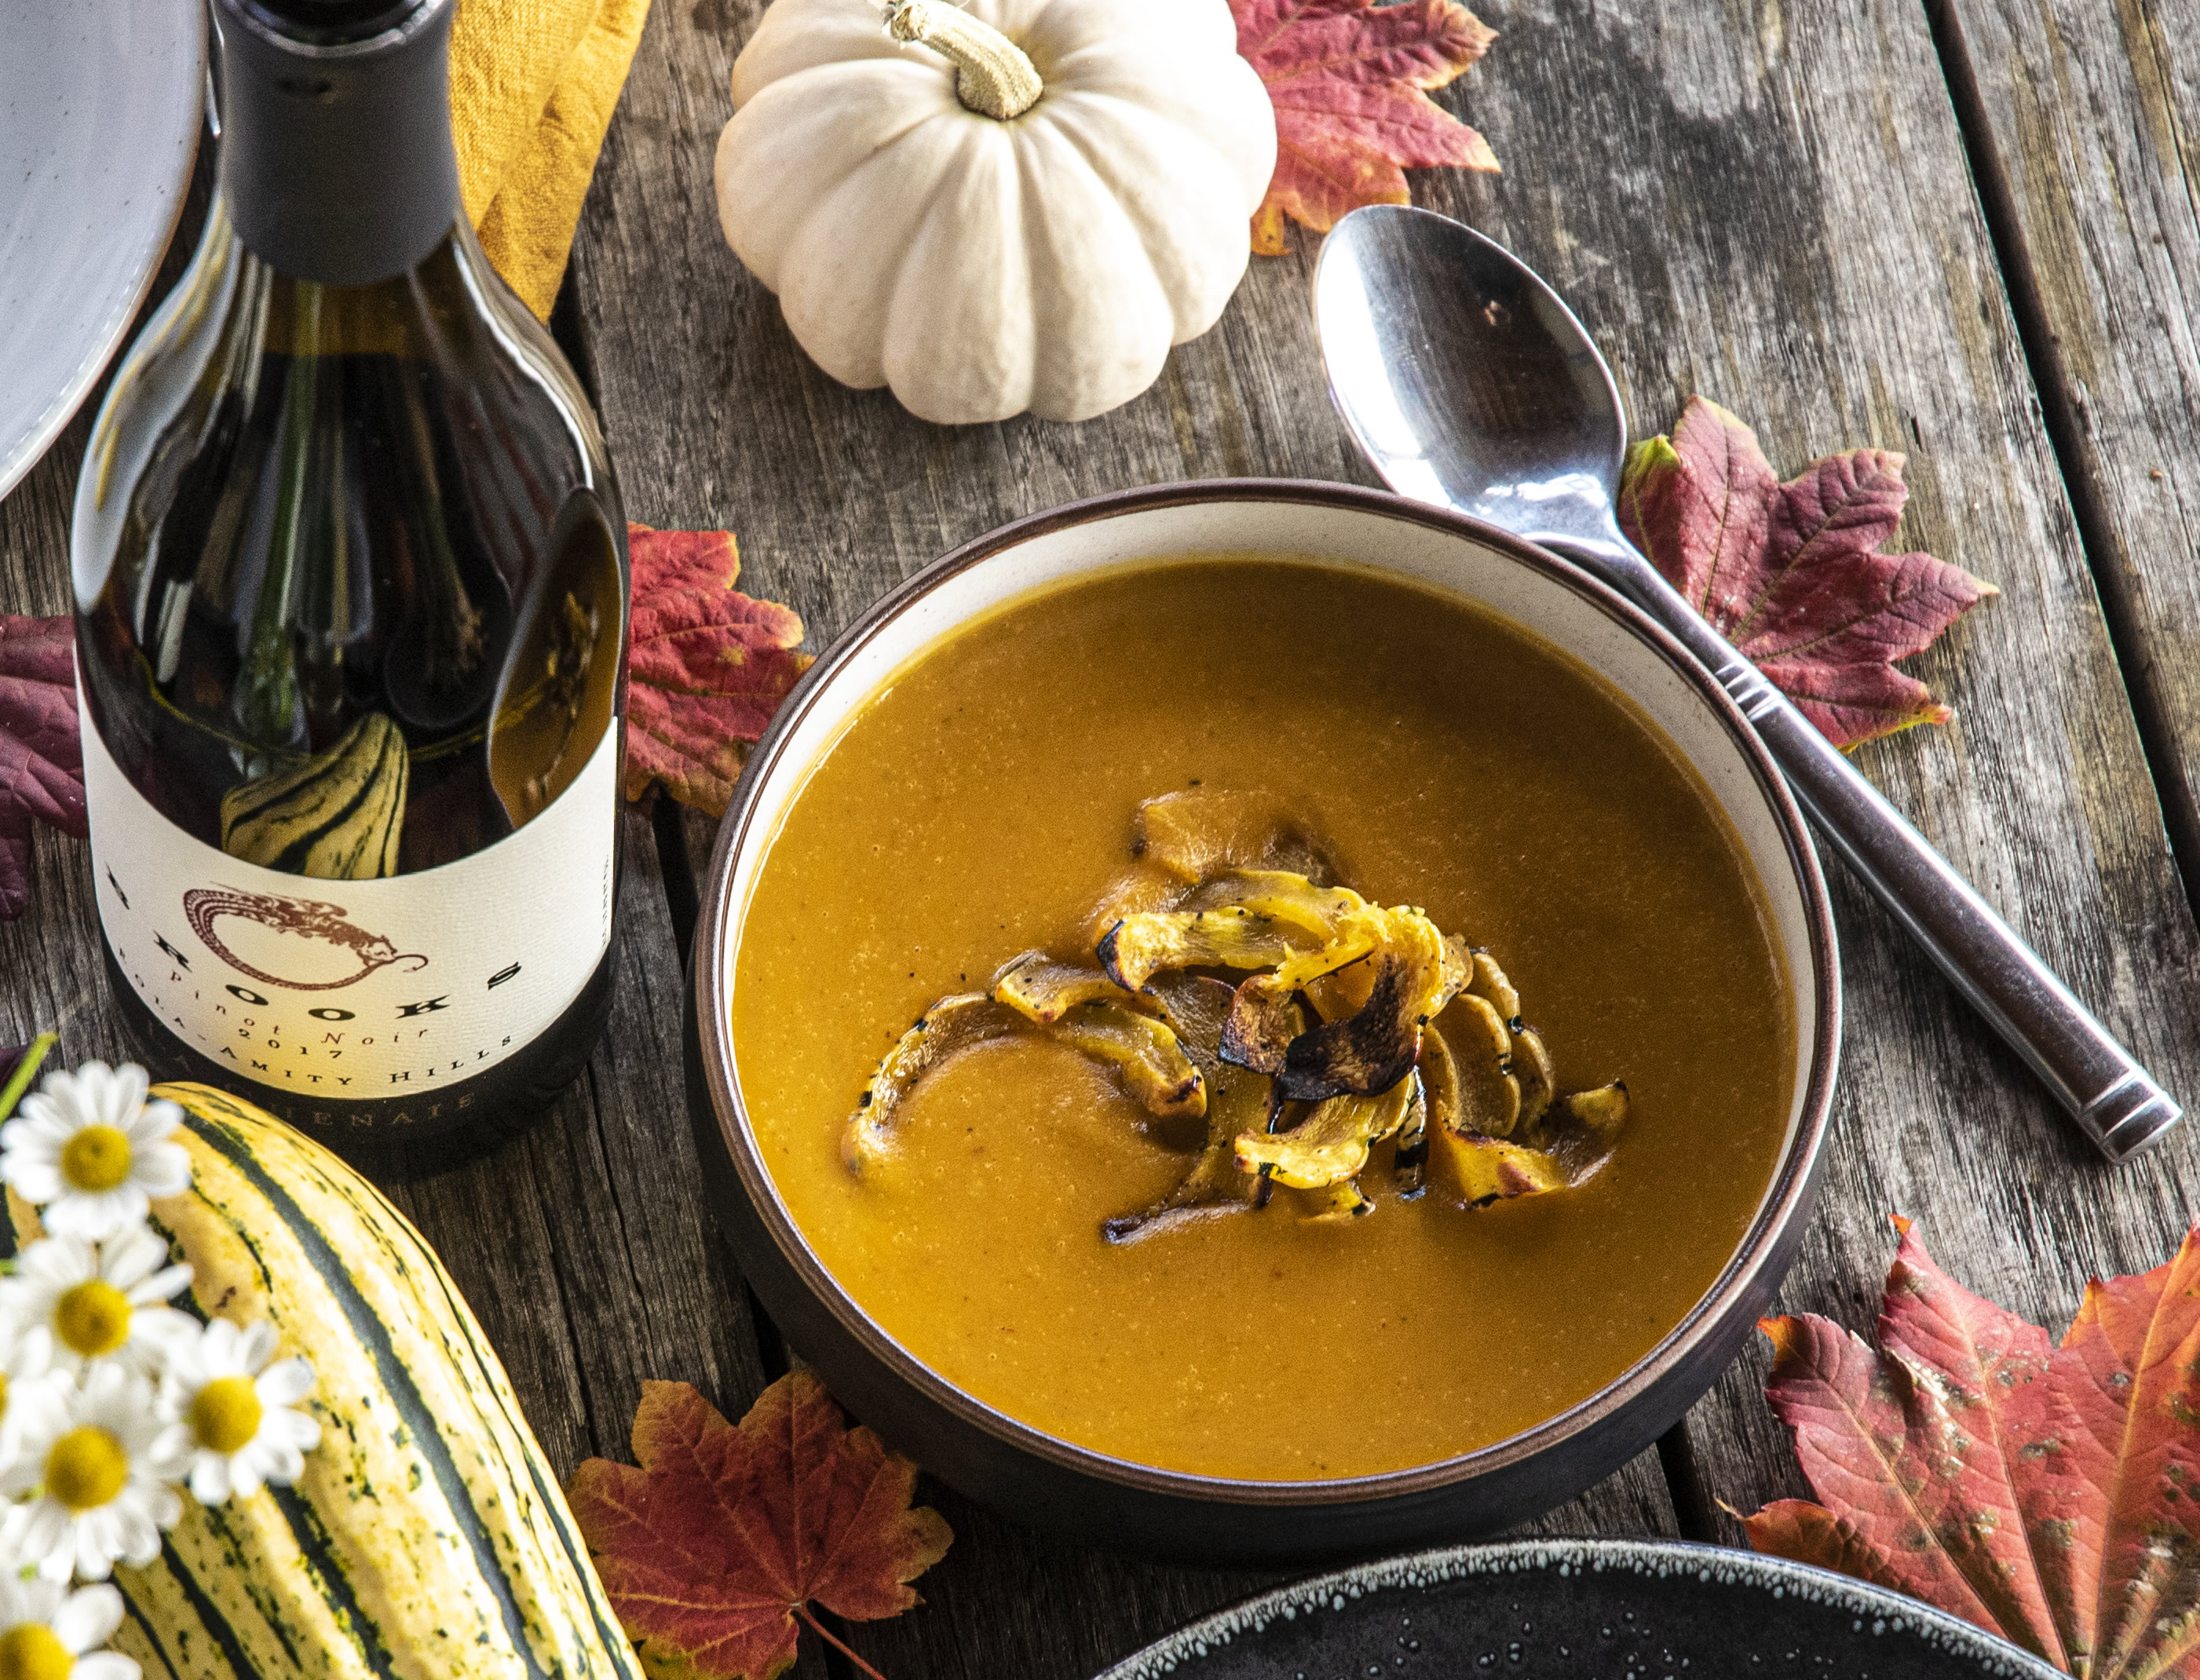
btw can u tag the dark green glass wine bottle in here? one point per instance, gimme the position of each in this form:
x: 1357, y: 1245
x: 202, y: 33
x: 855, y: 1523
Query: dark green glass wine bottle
x: 351, y: 583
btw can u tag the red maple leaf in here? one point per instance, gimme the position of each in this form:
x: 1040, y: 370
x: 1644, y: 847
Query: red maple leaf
x: 1348, y: 81
x: 729, y: 1533
x: 1790, y: 573
x: 708, y: 668
x: 2043, y: 1492
x: 41, y: 759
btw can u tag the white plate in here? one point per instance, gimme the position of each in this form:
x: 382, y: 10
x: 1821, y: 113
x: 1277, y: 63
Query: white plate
x: 100, y: 106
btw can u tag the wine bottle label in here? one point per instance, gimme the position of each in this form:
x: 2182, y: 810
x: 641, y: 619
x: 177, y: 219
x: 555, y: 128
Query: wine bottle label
x: 355, y: 989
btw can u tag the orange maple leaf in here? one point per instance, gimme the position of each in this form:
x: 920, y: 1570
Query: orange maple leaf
x: 729, y: 1533
x: 708, y: 667
x: 1348, y: 81
x: 2041, y: 1491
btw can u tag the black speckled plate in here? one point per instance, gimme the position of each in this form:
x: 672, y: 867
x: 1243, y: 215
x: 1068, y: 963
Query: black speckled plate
x: 1585, y: 1610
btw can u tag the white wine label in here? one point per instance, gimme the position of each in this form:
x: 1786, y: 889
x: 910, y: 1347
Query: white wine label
x: 356, y: 989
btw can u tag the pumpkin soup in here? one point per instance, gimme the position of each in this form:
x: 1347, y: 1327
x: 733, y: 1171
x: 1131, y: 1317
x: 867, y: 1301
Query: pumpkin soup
x: 1295, y: 1025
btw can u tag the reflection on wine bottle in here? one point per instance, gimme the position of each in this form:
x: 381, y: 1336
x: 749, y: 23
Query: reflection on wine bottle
x: 561, y: 680
x: 336, y: 816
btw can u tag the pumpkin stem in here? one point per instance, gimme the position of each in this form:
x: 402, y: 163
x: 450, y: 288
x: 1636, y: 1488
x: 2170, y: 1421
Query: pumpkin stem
x: 993, y: 76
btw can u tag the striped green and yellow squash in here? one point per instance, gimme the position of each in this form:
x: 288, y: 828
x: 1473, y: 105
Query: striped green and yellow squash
x: 428, y: 1539
x: 336, y: 817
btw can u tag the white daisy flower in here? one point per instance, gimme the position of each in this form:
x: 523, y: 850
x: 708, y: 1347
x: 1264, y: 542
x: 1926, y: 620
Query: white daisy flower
x: 230, y: 1412
x: 92, y: 1462
x: 48, y: 1632
x: 91, y: 1151
x: 102, y: 1302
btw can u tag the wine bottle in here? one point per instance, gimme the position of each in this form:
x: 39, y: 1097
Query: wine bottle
x: 351, y: 586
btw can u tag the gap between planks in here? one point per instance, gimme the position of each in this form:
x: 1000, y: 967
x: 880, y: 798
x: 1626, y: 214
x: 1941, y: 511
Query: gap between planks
x: 2151, y: 711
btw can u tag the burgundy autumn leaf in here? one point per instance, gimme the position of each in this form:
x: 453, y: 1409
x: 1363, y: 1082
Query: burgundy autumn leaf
x: 728, y: 1533
x: 41, y: 759
x: 708, y: 668
x: 1348, y: 81
x: 2043, y: 1492
x: 1791, y: 573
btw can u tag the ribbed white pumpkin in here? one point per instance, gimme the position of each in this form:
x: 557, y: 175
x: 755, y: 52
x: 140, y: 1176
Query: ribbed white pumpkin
x: 983, y: 267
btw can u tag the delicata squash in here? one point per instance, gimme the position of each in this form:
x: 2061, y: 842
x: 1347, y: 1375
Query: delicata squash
x: 1355, y: 1025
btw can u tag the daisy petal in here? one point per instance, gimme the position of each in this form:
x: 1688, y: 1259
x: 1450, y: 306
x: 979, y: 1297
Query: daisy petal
x: 158, y: 1118
x: 165, y: 1169
x: 105, y: 1665
x: 285, y: 1383
x: 210, y: 1478
x: 88, y: 1618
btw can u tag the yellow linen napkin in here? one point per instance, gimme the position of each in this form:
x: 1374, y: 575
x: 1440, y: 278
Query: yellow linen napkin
x: 533, y: 86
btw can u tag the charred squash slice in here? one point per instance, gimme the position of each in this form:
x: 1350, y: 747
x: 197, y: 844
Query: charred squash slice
x: 953, y: 1023
x: 1042, y: 990
x: 1199, y: 833
x: 1331, y: 1144
x: 1236, y: 1101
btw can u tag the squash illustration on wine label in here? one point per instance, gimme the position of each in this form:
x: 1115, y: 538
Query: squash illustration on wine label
x: 336, y: 817
x: 303, y: 918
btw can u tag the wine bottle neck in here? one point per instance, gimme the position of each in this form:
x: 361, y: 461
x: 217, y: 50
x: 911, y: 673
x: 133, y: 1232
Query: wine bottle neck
x: 336, y: 163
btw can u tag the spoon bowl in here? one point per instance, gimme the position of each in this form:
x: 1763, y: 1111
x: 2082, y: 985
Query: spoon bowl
x: 1465, y: 379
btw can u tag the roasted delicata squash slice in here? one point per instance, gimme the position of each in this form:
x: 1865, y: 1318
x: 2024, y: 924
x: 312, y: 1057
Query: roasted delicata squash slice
x: 1337, y: 1203
x: 1573, y: 1141
x: 1246, y: 919
x: 1409, y: 1165
x: 1043, y: 991
x: 1478, y: 1170
x: 1484, y: 1097
x: 1143, y: 1050
x: 1418, y: 972
x: 953, y: 1023
x: 1228, y: 936
x: 1236, y: 1102
x: 1531, y: 1071
x: 1055, y: 1001
x: 1490, y: 984
x: 1199, y: 833
x: 1331, y: 1144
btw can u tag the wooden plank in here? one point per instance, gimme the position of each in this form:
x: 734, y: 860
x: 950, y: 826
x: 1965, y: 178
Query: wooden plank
x: 1773, y: 214
x: 2083, y: 122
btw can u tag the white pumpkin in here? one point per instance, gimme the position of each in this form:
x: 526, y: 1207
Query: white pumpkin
x: 981, y: 265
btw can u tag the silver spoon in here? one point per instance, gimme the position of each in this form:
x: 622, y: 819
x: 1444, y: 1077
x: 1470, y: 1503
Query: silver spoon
x: 1468, y: 383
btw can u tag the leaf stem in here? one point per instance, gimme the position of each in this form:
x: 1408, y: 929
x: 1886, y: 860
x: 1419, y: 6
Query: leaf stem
x: 26, y: 1068
x: 837, y: 1644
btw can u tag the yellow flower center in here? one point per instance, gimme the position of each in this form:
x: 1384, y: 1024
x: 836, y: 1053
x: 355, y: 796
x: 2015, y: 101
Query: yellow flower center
x: 226, y: 1413
x: 32, y: 1651
x: 97, y: 1158
x: 93, y: 1318
x: 3, y: 1413
x: 86, y: 1467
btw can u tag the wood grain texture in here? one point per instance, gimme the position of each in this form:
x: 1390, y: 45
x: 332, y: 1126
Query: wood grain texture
x: 2084, y: 123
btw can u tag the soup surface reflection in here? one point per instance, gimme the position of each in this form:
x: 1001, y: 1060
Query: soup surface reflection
x: 980, y: 804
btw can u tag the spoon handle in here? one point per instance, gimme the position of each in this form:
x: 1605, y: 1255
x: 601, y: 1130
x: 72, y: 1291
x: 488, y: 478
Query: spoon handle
x: 2115, y: 1102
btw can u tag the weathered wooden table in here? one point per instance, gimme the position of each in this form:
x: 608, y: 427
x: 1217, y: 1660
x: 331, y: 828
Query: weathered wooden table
x: 1965, y: 229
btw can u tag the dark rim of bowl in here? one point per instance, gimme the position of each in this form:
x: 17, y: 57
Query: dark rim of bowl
x: 1784, y: 1198
x: 1653, y: 1560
